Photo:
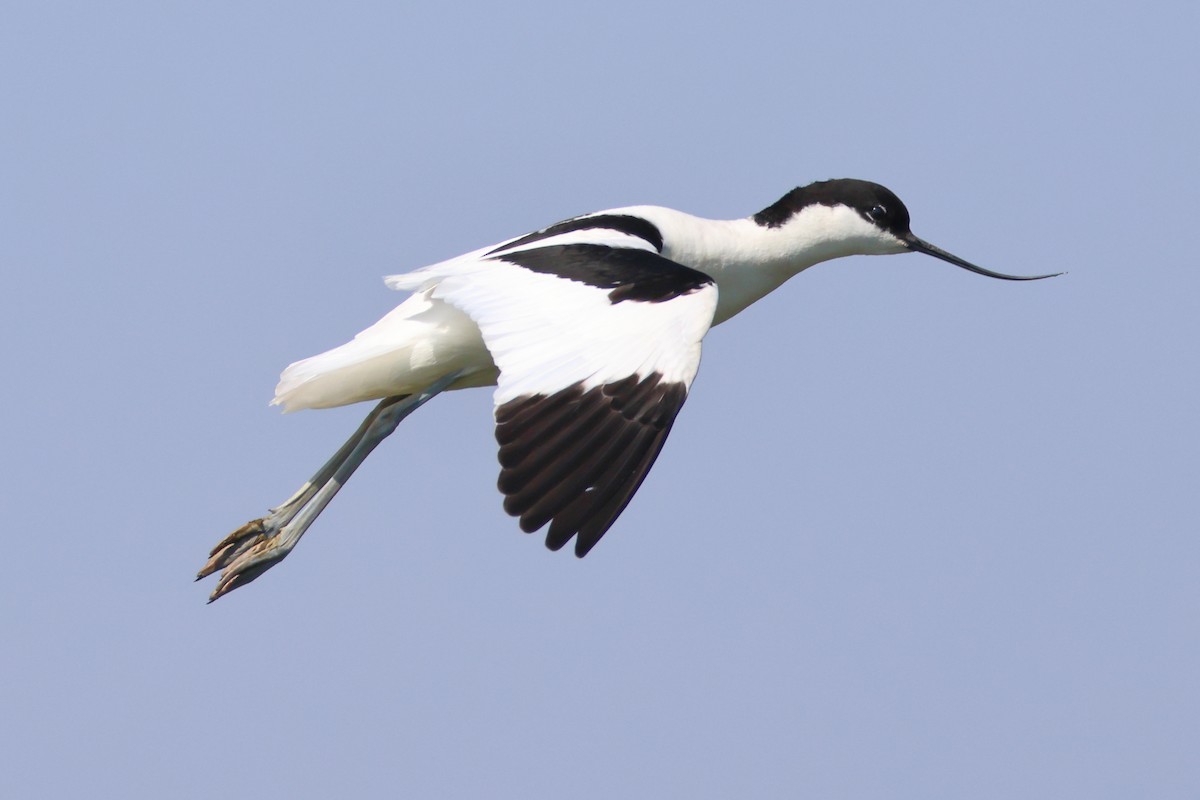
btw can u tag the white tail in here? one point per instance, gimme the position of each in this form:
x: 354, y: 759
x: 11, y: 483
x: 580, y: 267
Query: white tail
x: 415, y: 344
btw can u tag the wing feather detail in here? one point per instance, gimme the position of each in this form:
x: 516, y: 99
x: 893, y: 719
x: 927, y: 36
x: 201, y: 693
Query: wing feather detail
x: 580, y: 476
x: 592, y: 373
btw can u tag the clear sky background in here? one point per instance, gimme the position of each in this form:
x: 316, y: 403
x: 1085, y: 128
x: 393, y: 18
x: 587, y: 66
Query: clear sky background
x: 917, y: 533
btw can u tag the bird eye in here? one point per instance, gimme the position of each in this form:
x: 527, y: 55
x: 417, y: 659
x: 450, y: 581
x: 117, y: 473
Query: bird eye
x: 878, y: 212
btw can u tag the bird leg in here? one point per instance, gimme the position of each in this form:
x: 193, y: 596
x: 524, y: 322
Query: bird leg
x: 265, y: 528
x: 262, y: 543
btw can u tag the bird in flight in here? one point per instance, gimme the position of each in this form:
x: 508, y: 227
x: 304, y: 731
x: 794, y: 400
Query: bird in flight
x: 590, y: 330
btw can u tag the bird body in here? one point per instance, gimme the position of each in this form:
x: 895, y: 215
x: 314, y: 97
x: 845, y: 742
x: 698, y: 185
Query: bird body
x: 424, y: 337
x: 591, y: 330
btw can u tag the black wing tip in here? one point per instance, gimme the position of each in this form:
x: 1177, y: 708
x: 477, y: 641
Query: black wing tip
x: 581, y: 493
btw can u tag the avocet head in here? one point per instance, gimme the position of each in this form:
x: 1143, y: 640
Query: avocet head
x: 859, y: 217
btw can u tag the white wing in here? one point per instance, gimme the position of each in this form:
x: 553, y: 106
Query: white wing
x: 597, y: 339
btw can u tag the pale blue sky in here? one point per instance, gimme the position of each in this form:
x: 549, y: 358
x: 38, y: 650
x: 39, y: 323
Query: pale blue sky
x: 916, y: 534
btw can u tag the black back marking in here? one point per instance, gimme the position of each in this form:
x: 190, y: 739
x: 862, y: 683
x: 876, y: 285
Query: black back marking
x: 877, y: 204
x: 575, y: 458
x: 631, y: 274
x: 622, y: 223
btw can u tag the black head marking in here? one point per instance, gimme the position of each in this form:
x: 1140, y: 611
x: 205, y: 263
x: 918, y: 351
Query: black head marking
x: 876, y: 204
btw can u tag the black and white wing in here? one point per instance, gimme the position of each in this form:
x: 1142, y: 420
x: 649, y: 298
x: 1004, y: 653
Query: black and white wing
x: 597, y: 340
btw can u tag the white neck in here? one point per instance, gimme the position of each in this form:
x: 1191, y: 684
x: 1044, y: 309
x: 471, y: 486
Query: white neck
x: 749, y: 261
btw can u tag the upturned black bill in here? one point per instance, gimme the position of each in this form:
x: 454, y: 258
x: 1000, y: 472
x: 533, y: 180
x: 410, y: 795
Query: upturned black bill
x: 921, y: 246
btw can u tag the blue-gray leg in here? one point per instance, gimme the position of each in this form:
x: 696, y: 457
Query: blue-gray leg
x: 262, y: 543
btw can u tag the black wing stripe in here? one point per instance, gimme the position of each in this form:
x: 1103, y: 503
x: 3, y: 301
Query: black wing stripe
x: 630, y: 225
x: 627, y: 274
x: 580, y: 473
